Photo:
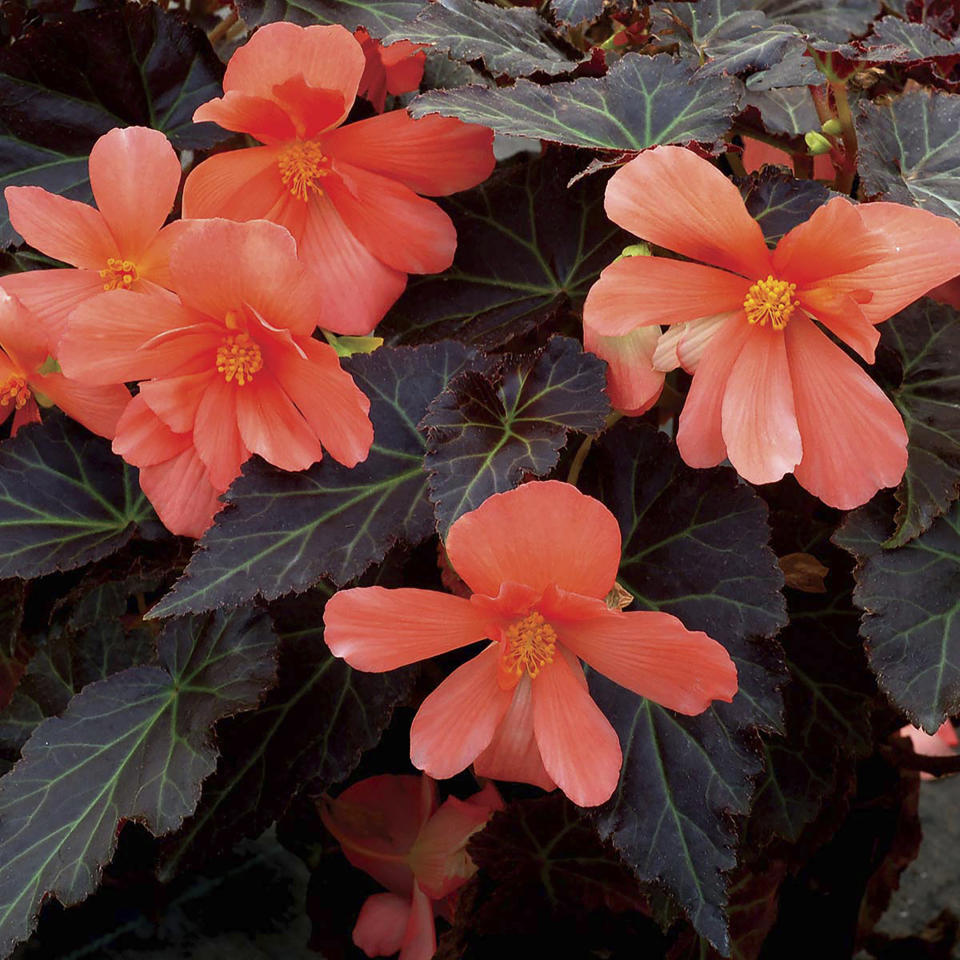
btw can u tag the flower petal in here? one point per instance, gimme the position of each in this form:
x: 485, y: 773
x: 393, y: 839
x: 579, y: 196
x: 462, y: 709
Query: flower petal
x: 175, y: 400
x: 699, y: 433
x: 457, y: 721
x: 632, y: 383
x: 420, y: 938
x: 683, y: 344
x: 28, y: 413
x: 854, y: 441
x: 641, y: 291
x: 143, y: 439
x: 265, y: 120
x: 513, y: 753
x: 382, y: 924
x: 758, y: 420
x: 63, y: 229
x: 541, y: 534
x: 215, y: 433
x: 399, y: 228
x: 181, y: 493
x: 329, y: 399
x: 655, y: 656
x: 843, y: 316
x: 580, y: 750
x: 135, y: 176
x: 240, y: 184
x: 97, y: 408
x: 376, y: 629
x: 272, y: 427
x: 435, y: 155
x: 51, y: 295
x: 673, y: 198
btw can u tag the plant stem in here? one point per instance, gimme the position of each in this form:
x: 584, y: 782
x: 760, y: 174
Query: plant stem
x: 848, y: 168
x: 581, y: 455
x: 222, y: 28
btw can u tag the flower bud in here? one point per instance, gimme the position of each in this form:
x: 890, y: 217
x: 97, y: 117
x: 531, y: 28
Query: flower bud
x: 817, y: 143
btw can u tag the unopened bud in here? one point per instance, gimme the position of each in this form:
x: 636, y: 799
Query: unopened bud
x: 833, y: 127
x: 348, y: 346
x: 636, y: 250
x: 817, y: 143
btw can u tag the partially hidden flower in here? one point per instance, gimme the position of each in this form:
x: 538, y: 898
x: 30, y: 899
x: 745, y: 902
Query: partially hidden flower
x: 396, y: 68
x: 771, y: 391
x: 392, y: 828
x: 29, y: 373
x: 539, y: 561
x: 348, y: 194
x: 756, y: 154
x: 227, y: 371
x: 121, y: 243
x: 943, y: 743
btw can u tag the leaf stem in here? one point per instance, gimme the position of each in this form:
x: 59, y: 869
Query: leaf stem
x: 848, y: 167
x: 222, y: 28
x: 581, y: 455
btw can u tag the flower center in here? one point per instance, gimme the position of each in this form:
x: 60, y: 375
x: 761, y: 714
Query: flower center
x: 238, y: 358
x: 15, y: 391
x: 530, y: 645
x: 770, y: 300
x: 118, y: 274
x: 302, y: 166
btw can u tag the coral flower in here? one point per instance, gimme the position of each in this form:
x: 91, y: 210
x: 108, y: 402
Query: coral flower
x: 391, y: 828
x: 757, y: 153
x: 394, y: 69
x: 943, y: 743
x: 135, y: 175
x: 28, y: 372
x: 228, y: 371
x: 540, y: 560
x: 771, y: 391
x: 349, y: 195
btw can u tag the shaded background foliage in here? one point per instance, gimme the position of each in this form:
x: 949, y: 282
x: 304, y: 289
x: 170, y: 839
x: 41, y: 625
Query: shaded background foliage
x: 729, y: 830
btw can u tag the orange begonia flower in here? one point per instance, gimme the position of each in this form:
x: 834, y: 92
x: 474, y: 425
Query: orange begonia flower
x: 394, y: 69
x: 540, y: 560
x: 228, y: 371
x: 135, y: 175
x: 770, y: 390
x: 391, y: 828
x: 348, y: 195
x: 943, y: 743
x: 25, y: 351
x: 756, y: 154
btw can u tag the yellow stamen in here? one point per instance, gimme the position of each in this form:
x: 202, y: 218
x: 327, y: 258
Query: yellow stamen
x: 238, y: 358
x: 15, y: 391
x: 118, y: 274
x: 771, y: 300
x: 529, y: 645
x: 302, y: 166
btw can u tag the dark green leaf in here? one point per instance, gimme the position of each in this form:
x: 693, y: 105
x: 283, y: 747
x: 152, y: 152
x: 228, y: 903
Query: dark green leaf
x: 312, y: 728
x: 65, y: 499
x: 282, y: 531
x: 796, y: 69
x: 910, y: 602
x: 829, y: 19
x: 723, y: 37
x: 528, y: 249
x: 910, y: 150
x: 133, y: 747
x: 67, y: 83
x: 641, y: 101
x: 926, y: 338
x: 379, y: 17
x: 576, y: 11
x: 900, y: 41
x: 786, y: 110
x: 513, y: 41
x: 487, y: 431
x: 694, y: 545
x: 779, y: 202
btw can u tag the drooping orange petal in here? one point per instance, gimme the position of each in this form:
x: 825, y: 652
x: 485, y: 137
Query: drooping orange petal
x: 334, y: 406
x: 758, y: 419
x: 181, y: 493
x: 925, y: 251
x: 357, y: 288
x: 843, y: 316
x: 756, y: 154
x: 420, y: 938
x: 175, y: 399
x: 28, y: 413
x: 699, y: 432
x: 854, y: 441
x: 435, y: 155
x: 513, y: 753
x: 632, y: 383
x: 673, y: 198
x: 403, y: 62
x: 580, y: 750
x: 215, y: 433
x: 655, y: 656
x: 834, y: 240
x: 50, y: 295
x: 264, y: 273
x: 143, y: 439
x: 265, y: 120
x: 542, y: 533
x: 642, y: 291
x: 97, y: 408
x: 272, y: 427
x: 376, y: 629
x: 382, y: 924
x: 399, y: 228
x: 135, y: 175
x: 23, y: 340
x: 63, y: 229
x: 457, y: 721
x: 240, y: 184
